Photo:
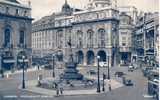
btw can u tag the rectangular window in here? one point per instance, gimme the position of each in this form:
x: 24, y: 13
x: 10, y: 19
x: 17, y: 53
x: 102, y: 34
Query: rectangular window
x: 123, y: 38
x: 17, y: 12
x: 21, y: 39
x: 123, y: 33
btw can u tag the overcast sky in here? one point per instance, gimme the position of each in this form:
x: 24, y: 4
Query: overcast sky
x: 42, y: 8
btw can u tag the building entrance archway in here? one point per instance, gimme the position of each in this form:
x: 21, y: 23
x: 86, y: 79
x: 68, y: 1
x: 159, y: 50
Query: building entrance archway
x: 90, y: 57
x: 80, y: 56
x: 102, y: 55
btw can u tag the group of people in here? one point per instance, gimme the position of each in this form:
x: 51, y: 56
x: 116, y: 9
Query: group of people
x: 59, y: 89
x: 1, y: 73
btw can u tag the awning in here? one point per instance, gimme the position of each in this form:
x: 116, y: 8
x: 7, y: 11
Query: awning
x: 9, y: 61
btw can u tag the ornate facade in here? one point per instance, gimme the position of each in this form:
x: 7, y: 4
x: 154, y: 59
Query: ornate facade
x: 93, y: 32
x: 15, y: 29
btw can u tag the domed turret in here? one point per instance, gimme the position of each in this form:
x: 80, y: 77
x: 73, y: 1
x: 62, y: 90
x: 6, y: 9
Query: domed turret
x: 66, y: 9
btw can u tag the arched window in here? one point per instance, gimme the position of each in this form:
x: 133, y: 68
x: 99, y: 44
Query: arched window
x: 22, y: 37
x: 90, y: 38
x: 80, y: 57
x: 101, y: 36
x: 7, y: 37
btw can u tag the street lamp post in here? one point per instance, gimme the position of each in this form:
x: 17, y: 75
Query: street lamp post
x: 53, y: 59
x: 98, y: 84
x: 108, y: 70
x: 1, y: 69
x: 0, y: 62
x: 23, y: 81
x: 103, y: 88
x: 109, y: 84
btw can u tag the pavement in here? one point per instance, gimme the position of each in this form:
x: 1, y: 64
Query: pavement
x: 31, y: 87
x: 7, y: 74
x: 10, y: 87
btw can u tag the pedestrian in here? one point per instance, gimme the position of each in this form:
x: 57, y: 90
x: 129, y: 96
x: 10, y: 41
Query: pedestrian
x: 2, y: 73
x: 57, y: 89
x: 110, y: 87
x: 38, y: 67
x: 61, y: 89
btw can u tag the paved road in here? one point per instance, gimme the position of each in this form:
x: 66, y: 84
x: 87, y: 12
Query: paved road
x: 10, y: 87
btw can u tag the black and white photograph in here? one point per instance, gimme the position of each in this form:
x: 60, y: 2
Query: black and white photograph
x: 79, y: 50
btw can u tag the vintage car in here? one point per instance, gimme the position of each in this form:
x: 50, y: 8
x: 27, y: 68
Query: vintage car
x: 128, y: 82
x: 119, y: 74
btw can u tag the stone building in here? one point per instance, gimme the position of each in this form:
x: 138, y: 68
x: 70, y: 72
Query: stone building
x: 92, y: 32
x: 147, y: 37
x: 15, y: 32
x: 126, y: 28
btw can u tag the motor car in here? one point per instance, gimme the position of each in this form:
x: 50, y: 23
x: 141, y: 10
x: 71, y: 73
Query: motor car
x: 47, y: 66
x: 119, y: 74
x: 156, y: 80
x: 146, y: 71
x: 130, y: 68
x: 92, y: 72
x: 128, y: 82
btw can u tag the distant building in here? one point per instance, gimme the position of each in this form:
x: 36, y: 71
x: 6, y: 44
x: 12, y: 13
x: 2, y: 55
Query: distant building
x: 126, y: 29
x: 146, y: 38
x: 15, y: 32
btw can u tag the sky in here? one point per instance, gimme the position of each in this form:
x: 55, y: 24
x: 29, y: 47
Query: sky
x: 42, y: 8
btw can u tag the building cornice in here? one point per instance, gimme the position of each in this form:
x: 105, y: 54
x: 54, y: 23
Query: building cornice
x: 16, y: 17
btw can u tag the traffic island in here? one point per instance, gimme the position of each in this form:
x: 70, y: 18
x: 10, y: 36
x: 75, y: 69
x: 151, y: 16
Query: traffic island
x: 31, y: 86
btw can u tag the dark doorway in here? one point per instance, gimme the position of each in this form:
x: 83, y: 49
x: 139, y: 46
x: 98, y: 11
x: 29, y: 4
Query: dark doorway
x: 90, y: 57
x: 80, y: 57
x: 102, y: 55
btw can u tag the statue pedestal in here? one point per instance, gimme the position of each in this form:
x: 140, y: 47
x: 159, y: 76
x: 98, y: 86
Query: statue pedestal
x: 71, y: 73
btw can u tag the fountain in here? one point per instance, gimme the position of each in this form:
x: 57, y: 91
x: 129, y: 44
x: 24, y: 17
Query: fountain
x: 71, y: 73
x: 70, y: 79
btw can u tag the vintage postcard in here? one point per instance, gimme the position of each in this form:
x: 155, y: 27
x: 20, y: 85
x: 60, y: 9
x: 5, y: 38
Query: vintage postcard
x: 79, y: 49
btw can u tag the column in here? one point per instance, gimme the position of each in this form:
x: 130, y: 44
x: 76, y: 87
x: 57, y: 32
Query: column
x: 85, y: 59
x: 96, y: 61
x: 0, y: 62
